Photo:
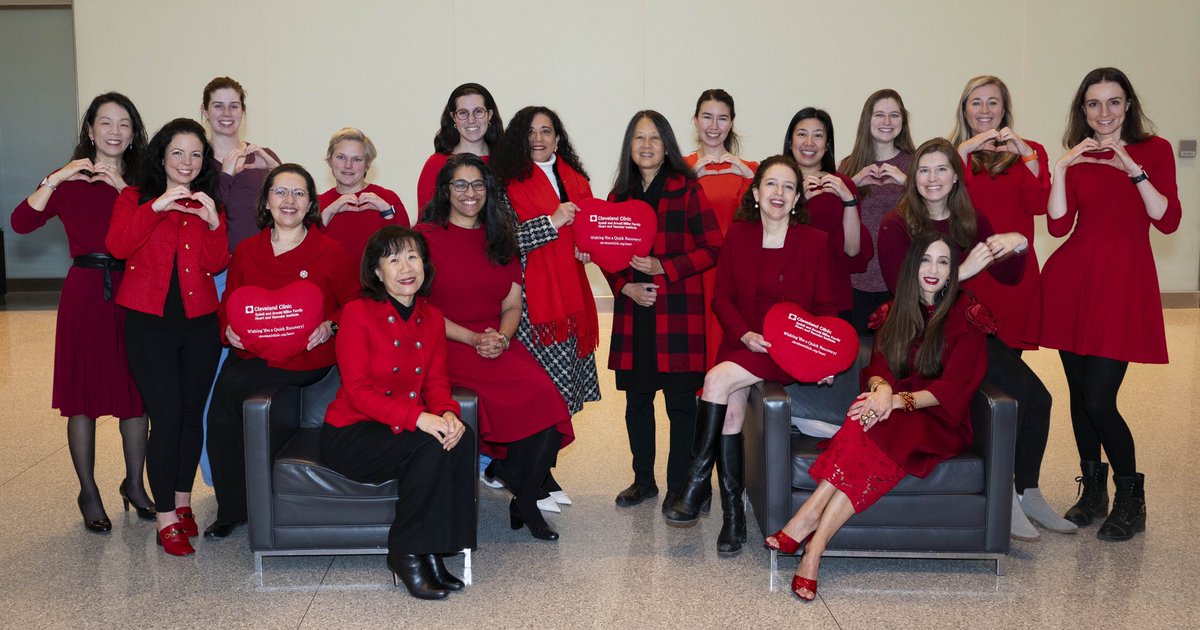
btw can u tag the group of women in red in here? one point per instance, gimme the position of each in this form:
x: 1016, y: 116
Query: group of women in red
x: 927, y: 249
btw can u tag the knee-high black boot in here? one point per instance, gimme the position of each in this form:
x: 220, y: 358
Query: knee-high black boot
x: 1129, y: 509
x: 532, y: 458
x: 729, y: 480
x: 696, y: 495
x: 1093, y: 495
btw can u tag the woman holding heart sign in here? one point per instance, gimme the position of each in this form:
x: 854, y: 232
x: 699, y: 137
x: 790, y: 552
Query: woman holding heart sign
x: 353, y: 210
x: 929, y: 360
x: 91, y: 374
x: 770, y: 256
x: 170, y: 230
x: 1100, y: 301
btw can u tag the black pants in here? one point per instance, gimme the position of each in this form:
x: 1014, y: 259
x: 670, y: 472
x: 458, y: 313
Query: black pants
x: 1007, y: 371
x: 1094, y: 383
x: 239, y: 379
x: 865, y: 303
x: 435, y: 506
x: 173, y: 363
x: 639, y: 423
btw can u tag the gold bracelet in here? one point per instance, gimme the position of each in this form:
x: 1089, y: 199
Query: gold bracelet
x: 910, y: 403
x: 877, y: 384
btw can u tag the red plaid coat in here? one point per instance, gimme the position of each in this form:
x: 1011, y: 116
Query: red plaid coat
x: 687, y: 243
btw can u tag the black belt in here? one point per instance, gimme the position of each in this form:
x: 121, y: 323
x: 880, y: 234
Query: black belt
x: 105, y: 262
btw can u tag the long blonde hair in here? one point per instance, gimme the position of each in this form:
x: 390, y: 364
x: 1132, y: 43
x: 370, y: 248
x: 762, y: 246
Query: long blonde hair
x: 992, y: 162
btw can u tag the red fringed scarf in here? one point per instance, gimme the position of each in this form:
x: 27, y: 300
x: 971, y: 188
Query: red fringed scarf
x: 557, y: 290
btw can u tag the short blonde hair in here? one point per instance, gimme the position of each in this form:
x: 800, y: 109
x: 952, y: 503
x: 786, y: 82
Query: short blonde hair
x: 351, y: 133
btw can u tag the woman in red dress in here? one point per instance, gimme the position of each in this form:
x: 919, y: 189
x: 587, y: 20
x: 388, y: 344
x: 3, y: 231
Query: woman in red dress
x: 831, y: 199
x: 770, y: 256
x: 353, y: 210
x: 470, y: 123
x: 658, y: 302
x: 725, y: 178
x: 914, y: 412
x: 171, y: 232
x: 522, y: 418
x: 878, y: 165
x: 1008, y: 180
x: 1100, y: 303
x: 91, y: 374
x: 392, y: 341
x: 284, y: 253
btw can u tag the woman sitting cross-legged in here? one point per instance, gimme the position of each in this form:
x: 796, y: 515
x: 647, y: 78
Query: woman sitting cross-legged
x: 930, y: 357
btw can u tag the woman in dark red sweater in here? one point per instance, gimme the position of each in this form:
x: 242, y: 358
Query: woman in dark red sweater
x: 284, y: 253
x: 353, y: 210
x: 171, y: 232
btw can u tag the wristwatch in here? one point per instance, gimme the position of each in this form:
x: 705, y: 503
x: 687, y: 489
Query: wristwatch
x: 46, y: 182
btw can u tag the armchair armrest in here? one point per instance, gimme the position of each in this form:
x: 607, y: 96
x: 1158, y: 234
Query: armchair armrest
x: 994, y: 416
x: 768, y: 440
x: 271, y: 416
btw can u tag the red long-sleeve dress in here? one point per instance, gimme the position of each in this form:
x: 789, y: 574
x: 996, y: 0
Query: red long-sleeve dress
x: 827, y: 210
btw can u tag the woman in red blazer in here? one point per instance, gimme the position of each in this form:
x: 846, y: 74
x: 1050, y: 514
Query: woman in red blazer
x: 770, y: 255
x: 288, y: 251
x: 658, y: 307
x: 394, y: 417
x: 914, y: 412
x: 171, y: 232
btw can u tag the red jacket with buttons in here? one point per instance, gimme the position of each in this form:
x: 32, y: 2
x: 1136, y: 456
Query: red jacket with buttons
x: 392, y: 369
x: 151, y: 241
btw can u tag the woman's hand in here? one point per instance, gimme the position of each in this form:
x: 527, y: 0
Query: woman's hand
x: 235, y: 161
x: 1120, y: 158
x: 648, y: 265
x: 642, y: 293
x: 108, y: 174
x: 582, y: 257
x: 755, y: 342
x: 737, y: 166
x: 447, y: 429
x: 975, y: 262
x: 1076, y: 155
x: 72, y: 171
x: 262, y: 159
x: 701, y: 170
x: 564, y: 214
x: 207, y: 210
x: 867, y: 175
x: 983, y: 141
x: 870, y: 408
x: 1002, y: 245
x: 490, y: 344
x: 889, y: 171
x: 170, y: 199
x: 322, y: 333
x: 1012, y: 143
x: 233, y: 338
x: 370, y: 200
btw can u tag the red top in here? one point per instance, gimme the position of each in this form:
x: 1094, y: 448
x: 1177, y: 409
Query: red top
x: 1100, y: 288
x: 724, y: 190
x: 392, y: 369
x: 894, y: 240
x: 84, y: 208
x: 1010, y: 200
x: 317, y: 258
x: 827, y: 210
x: 152, y: 243
x: 353, y: 228
x: 427, y: 181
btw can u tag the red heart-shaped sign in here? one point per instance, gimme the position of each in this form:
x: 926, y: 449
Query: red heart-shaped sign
x: 806, y: 346
x: 612, y: 233
x: 275, y: 325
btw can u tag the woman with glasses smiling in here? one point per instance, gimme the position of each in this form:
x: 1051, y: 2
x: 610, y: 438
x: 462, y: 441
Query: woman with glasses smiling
x: 284, y: 253
x: 470, y: 123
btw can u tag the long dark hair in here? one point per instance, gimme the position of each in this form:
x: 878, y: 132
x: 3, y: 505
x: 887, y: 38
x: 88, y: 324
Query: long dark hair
x: 629, y: 178
x: 912, y: 208
x: 153, y: 181
x: 501, y: 234
x: 135, y: 153
x: 447, y: 136
x: 749, y: 211
x: 388, y: 240
x: 733, y: 142
x: 511, y: 160
x: 906, y: 324
x: 828, y: 164
x: 863, y: 152
x: 312, y: 214
x: 1136, y: 127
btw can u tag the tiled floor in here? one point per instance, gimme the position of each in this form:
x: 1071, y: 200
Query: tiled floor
x: 613, y: 567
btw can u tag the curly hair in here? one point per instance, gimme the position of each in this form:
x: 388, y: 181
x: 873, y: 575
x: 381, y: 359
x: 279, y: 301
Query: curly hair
x: 153, y: 179
x: 749, y: 211
x: 511, y: 160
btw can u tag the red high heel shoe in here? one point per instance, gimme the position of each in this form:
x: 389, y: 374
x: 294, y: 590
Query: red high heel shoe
x: 803, y: 583
x: 188, y: 520
x: 173, y: 539
x: 786, y: 544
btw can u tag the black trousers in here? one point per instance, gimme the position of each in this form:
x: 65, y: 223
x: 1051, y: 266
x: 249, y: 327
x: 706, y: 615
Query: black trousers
x: 239, y: 379
x: 435, y: 494
x: 1009, y: 372
x: 1094, y: 383
x: 173, y: 363
x: 639, y: 423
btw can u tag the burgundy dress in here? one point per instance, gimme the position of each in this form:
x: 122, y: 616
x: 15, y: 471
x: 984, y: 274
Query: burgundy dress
x: 827, y: 211
x: 91, y: 375
x: 516, y: 396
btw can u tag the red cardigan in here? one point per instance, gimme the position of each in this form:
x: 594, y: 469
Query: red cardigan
x: 352, y: 229
x: 151, y: 242
x: 317, y: 258
x: 392, y: 369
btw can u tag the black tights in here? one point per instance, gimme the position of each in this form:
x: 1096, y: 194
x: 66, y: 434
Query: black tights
x: 526, y: 468
x: 1094, y: 383
x: 81, y: 439
x: 1007, y: 371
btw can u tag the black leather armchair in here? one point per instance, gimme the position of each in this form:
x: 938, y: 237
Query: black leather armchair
x: 296, y: 505
x: 961, y: 510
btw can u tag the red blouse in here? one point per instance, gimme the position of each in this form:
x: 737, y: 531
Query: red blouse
x: 353, y: 229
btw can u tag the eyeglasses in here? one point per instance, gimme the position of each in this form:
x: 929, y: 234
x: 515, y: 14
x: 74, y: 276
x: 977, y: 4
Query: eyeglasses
x: 460, y: 185
x: 467, y: 114
x: 284, y: 192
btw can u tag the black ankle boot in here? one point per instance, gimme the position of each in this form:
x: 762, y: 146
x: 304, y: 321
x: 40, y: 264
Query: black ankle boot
x: 729, y: 480
x: 1129, y: 509
x: 442, y: 577
x: 1093, y: 494
x: 696, y: 495
x: 407, y: 568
